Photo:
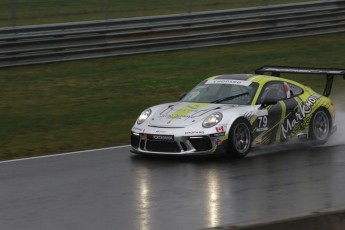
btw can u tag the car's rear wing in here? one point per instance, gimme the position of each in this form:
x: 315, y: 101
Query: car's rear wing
x: 329, y: 73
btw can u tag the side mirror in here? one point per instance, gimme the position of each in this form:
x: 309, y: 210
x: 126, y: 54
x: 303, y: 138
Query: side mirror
x: 268, y: 101
x: 182, y: 95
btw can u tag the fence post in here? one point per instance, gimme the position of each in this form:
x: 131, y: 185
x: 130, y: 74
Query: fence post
x: 14, y: 12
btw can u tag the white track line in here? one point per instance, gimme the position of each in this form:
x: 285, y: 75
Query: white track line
x: 65, y: 154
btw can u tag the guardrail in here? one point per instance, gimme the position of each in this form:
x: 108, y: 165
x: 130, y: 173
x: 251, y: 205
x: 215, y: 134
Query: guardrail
x: 83, y: 40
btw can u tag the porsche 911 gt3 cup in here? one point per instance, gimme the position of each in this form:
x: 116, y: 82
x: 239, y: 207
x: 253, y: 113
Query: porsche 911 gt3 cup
x: 233, y: 113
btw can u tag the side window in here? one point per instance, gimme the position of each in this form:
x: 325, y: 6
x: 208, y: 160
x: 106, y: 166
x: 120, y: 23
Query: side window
x: 274, y: 90
x: 294, y: 90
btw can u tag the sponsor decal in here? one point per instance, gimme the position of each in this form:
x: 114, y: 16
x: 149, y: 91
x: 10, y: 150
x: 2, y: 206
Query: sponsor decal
x: 185, y: 111
x: 257, y: 142
x: 218, y: 141
x: 217, y: 134
x: 228, y: 82
x: 172, y: 116
x: 160, y: 137
x: 193, y: 106
x: 304, y: 110
x: 161, y: 131
x: 194, y: 132
x: 261, y: 129
x: 220, y: 129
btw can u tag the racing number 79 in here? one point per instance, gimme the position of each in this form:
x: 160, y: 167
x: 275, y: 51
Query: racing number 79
x: 262, y: 122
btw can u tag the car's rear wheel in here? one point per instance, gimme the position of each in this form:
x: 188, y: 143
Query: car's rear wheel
x: 240, y: 138
x: 319, y: 129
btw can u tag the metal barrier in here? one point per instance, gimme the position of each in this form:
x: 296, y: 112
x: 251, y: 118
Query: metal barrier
x: 94, y: 39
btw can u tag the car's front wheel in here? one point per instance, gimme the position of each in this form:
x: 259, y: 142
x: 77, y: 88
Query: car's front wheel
x: 319, y: 129
x: 240, y: 138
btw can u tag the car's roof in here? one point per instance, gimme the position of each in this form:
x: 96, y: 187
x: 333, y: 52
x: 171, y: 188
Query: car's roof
x: 261, y: 79
x: 243, y: 77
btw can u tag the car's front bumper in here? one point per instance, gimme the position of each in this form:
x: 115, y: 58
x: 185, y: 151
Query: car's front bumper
x: 145, y: 143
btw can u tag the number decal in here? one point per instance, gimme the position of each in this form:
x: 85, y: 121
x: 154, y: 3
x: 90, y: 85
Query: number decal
x: 262, y: 122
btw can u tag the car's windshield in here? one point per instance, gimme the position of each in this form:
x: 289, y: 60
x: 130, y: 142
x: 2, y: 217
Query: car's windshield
x: 223, y: 91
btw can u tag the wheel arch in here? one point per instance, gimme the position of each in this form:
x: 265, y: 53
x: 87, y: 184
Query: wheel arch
x: 236, y: 118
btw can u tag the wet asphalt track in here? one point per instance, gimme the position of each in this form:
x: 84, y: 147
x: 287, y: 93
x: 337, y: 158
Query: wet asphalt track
x: 114, y: 189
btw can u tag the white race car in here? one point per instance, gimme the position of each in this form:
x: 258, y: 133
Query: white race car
x: 233, y: 113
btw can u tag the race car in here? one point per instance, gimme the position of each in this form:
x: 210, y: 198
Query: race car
x: 233, y: 113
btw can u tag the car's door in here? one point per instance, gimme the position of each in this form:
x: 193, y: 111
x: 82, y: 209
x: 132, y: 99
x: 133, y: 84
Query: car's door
x: 292, y: 123
x: 267, y: 127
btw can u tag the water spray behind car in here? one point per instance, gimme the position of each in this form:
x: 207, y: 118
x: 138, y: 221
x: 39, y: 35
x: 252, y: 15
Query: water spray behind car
x: 339, y: 137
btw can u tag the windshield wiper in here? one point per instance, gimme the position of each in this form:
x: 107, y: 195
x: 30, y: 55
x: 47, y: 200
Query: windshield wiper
x: 229, y: 98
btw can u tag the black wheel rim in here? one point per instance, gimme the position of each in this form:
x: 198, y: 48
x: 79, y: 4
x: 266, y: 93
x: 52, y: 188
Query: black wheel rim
x: 241, y: 138
x: 320, y: 126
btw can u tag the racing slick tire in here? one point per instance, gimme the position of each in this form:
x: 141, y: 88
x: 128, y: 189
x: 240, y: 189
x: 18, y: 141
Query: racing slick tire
x: 240, y: 138
x: 320, y: 127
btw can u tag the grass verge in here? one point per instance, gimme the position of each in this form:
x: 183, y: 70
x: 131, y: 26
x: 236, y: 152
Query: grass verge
x: 79, y: 105
x: 28, y: 12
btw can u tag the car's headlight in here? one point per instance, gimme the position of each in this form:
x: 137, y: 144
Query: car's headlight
x: 212, y: 120
x: 143, y: 116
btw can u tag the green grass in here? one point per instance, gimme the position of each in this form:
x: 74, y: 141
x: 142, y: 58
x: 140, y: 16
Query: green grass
x: 27, y: 12
x: 54, y: 108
